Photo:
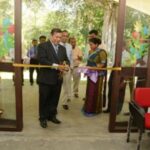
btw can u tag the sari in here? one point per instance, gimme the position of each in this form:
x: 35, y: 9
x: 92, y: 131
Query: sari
x: 93, y: 99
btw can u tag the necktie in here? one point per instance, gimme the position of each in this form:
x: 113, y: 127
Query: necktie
x: 56, y: 49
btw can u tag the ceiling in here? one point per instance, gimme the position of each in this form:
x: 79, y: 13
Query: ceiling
x: 141, y: 5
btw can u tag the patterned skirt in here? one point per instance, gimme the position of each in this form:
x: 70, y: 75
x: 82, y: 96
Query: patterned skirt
x: 93, y: 99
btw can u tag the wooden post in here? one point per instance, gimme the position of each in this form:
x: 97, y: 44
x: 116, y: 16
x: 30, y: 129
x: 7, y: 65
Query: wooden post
x: 118, y: 54
x: 18, y: 71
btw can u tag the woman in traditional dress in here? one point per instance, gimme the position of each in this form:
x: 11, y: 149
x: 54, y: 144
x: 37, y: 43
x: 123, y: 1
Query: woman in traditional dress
x: 97, y: 58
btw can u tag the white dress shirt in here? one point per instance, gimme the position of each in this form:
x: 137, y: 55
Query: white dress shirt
x: 69, y: 51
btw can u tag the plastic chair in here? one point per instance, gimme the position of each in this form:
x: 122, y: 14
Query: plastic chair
x: 138, y: 113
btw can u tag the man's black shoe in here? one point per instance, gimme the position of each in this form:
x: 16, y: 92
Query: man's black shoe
x: 76, y: 95
x: 54, y: 120
x: 66, y: 107
x: 43, y: 123
x: 127, y: 114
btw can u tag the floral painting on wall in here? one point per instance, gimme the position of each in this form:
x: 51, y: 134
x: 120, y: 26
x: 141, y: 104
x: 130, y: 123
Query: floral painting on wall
x: 138, y: 44
x: 139, y: 40
x: 7, y: 31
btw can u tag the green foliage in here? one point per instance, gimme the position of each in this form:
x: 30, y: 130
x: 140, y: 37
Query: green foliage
x: 77, y: 17
x: 57, y: 19
x: 4, y: 8
x: 40, y: 16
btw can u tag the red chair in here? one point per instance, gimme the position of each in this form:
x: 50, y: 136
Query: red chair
x: 138, y: 112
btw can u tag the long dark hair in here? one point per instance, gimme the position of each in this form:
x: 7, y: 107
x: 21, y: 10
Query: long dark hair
x: 95, y: 41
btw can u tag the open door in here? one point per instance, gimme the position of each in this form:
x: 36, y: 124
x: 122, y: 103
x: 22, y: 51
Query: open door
x: 11, y: 118
x: 133, y: 56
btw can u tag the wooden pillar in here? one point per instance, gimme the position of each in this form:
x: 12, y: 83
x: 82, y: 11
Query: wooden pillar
x: 18, y: 71
x: 118, y: 54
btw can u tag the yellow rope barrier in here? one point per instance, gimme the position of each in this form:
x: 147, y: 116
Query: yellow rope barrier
x: 107, y: 68
x: 38, y: 66
x: 62, y: 67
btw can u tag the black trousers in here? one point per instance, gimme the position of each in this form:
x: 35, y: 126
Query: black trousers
x: 48, y: 99
x: 33, y: 61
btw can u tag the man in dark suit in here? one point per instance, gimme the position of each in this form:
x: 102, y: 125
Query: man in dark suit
x: 50, y: 80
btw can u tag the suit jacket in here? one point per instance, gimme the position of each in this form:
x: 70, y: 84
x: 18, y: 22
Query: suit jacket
x: 47, y: 56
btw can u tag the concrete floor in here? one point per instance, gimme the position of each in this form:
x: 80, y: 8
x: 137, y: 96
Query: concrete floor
x: 76, y: 132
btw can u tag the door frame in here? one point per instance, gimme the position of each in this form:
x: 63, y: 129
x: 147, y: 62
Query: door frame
x: 17, y: 125
x: 115, y: 126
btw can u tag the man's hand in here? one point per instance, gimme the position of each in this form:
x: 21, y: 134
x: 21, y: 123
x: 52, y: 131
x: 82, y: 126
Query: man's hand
x: 66, y: 68
x: 63, y: 68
